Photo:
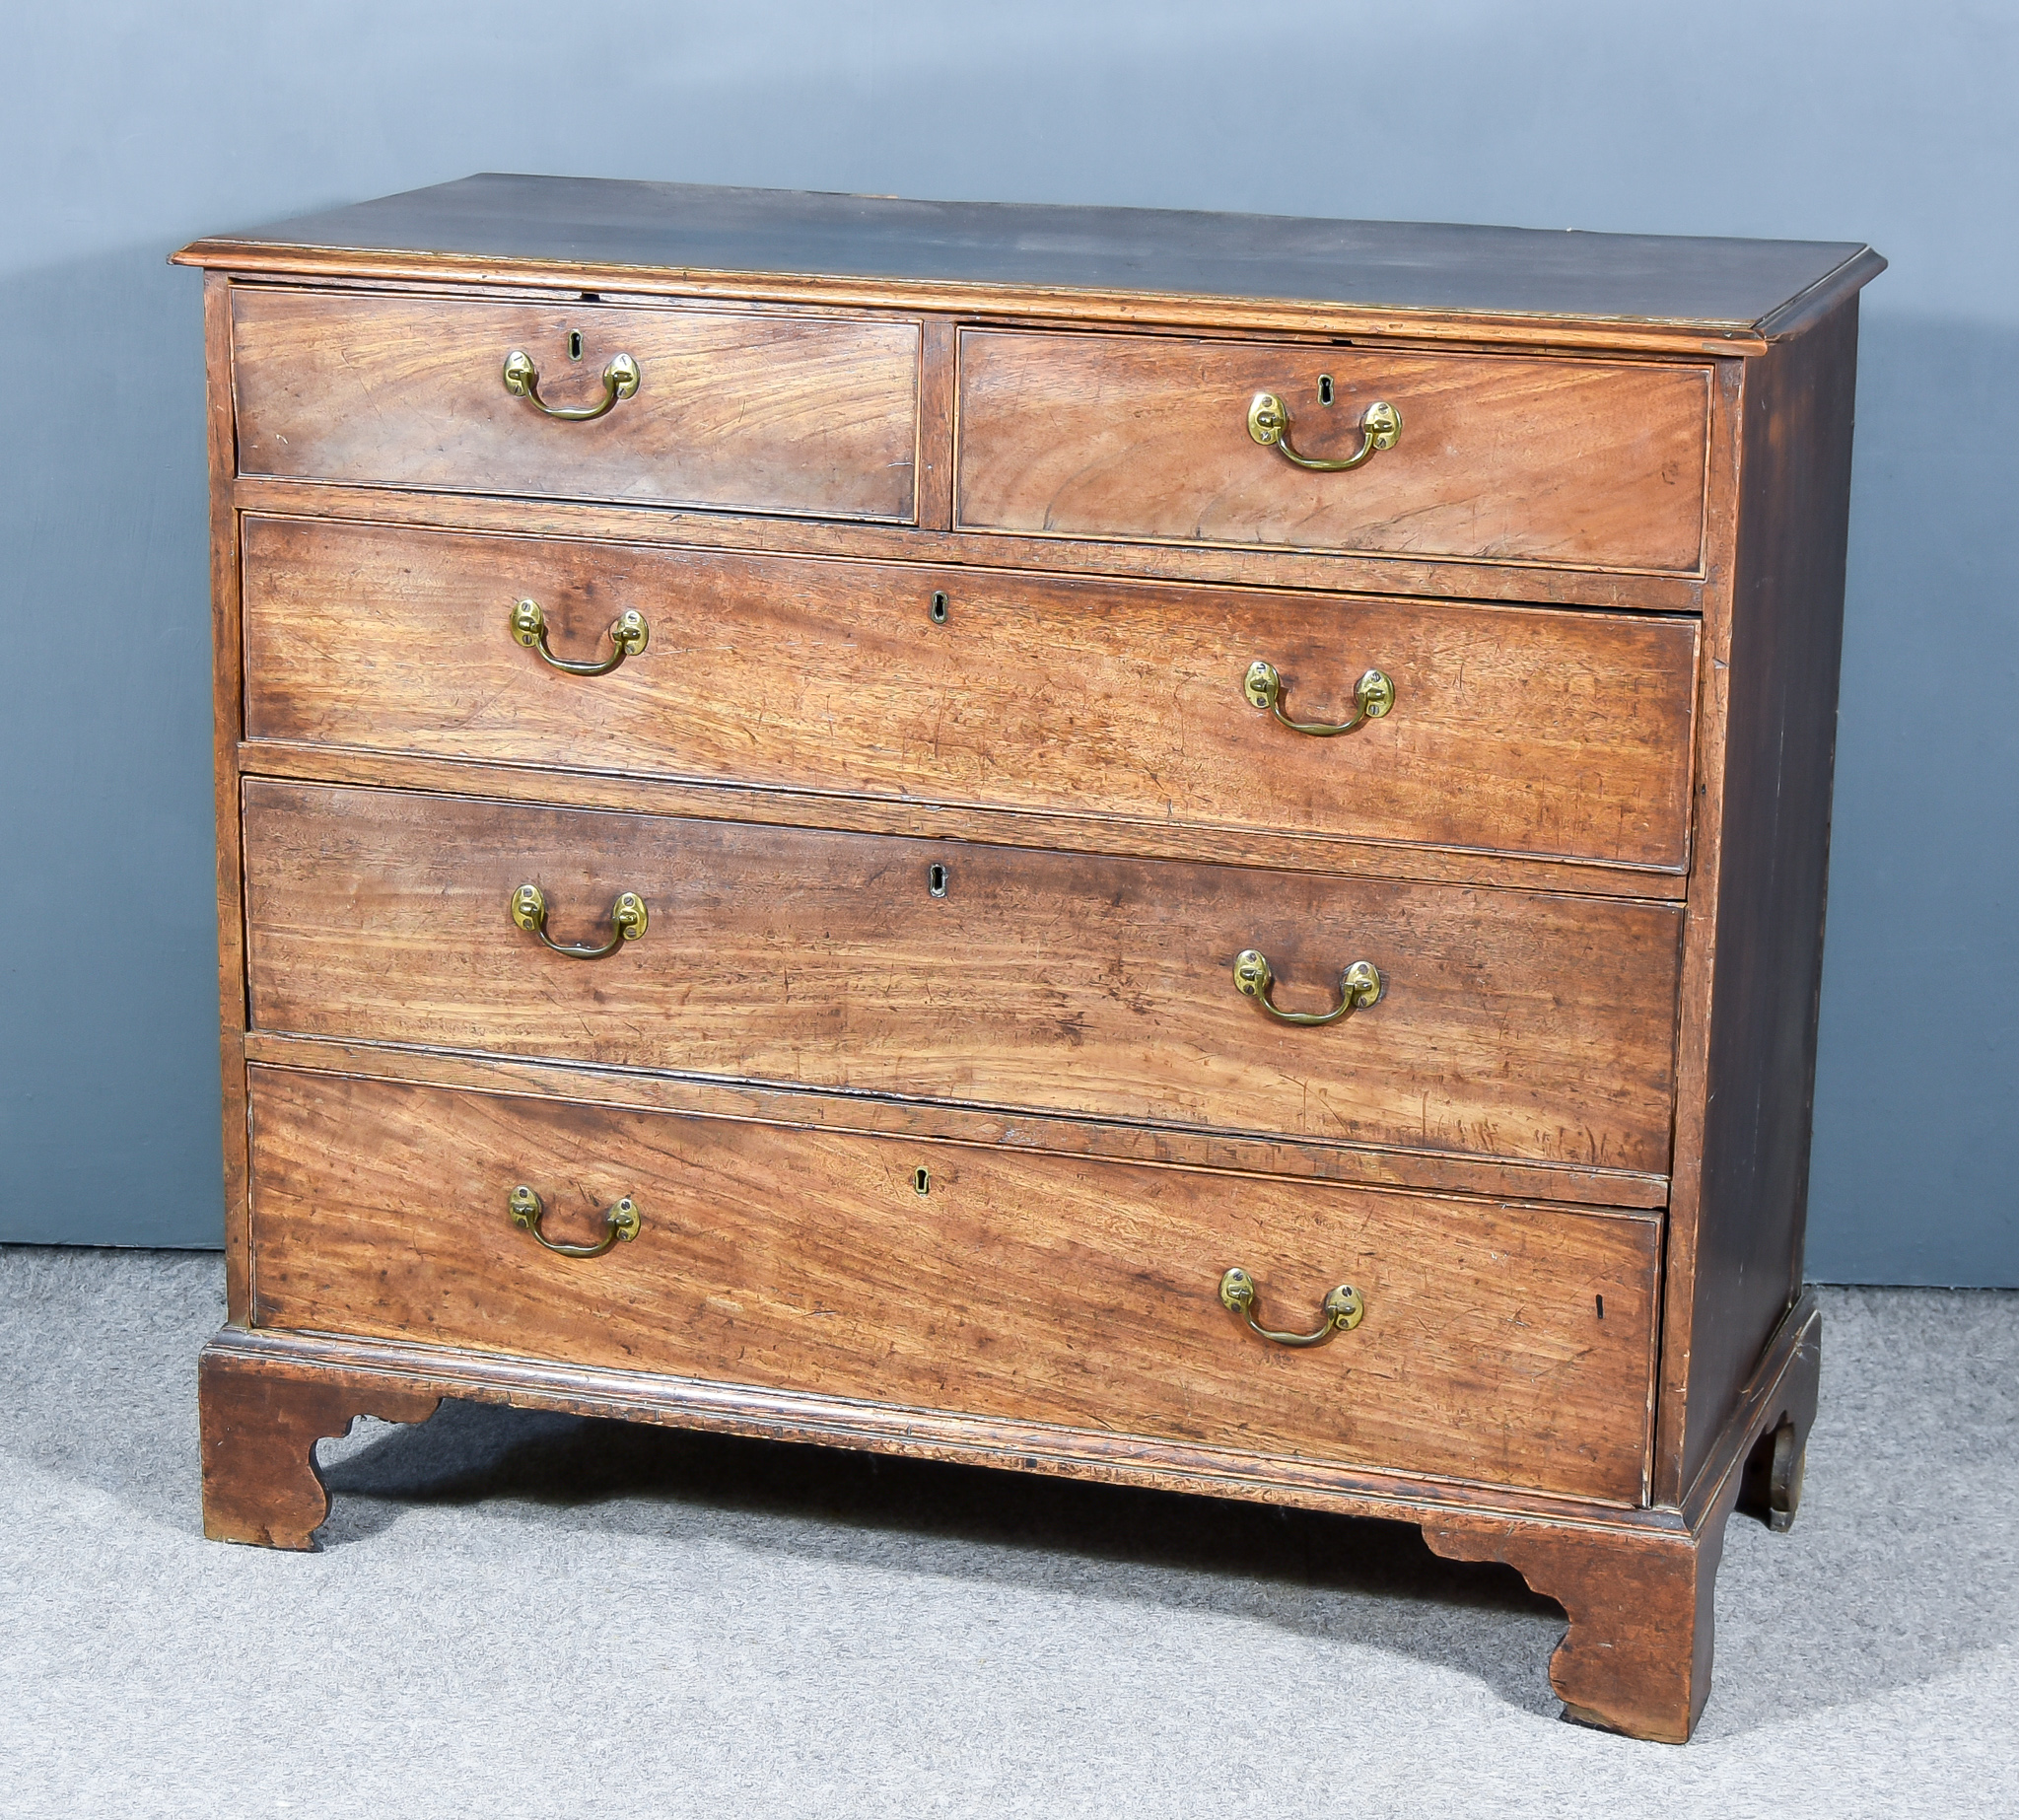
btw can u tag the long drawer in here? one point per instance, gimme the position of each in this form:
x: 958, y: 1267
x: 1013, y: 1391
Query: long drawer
x: 1520, y: 729
x: 1587, y: 464
x: 1497, y: 1343
x: 738, y: 410
x: 1512, y: 1024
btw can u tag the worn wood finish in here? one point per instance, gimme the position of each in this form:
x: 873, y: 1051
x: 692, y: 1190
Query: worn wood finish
x: 1329, y: 571
x: 261, y: 1481
x: 734, y: 410
x: 1309, y: 1158
x: 1579, y: 465
x: 1528, y: 1026
x: 1638, y: 1655
x: 530, y: 1382
x: 1606, y: 1566
x: 1550, y: 733
x: 1086, y: 832
x: 1588, y: 985
x: 939, y: 342
x: 1741, y: 1206
x: 1406, y: 278
x: 226, y: 729
x: 1505, y: 1344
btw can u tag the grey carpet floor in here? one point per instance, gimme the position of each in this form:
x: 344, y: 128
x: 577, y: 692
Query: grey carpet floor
x: 524, y: 1615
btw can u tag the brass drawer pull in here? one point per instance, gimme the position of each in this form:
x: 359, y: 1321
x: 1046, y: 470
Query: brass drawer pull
x: 627, y: 918
x: 523, y: 381
x: 1269, y: 425
x: 1359, y: 986
x: 629, y: 635
x: 1342, y: 1309
x: 621, y: 1222
x: 1373, y: 696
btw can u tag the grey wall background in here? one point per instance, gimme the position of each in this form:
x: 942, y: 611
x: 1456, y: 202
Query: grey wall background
x: 127, y: 128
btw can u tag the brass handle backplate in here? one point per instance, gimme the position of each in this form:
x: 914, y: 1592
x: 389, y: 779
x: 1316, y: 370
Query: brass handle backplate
x: 1373, y: 696
x: 1269, y: 425
x: 627, y: 919
x: 1359, y: 986
x: 621, y: 1222
x: 629, y: 635
x: 523, y: 381
x: 1342, y: 1309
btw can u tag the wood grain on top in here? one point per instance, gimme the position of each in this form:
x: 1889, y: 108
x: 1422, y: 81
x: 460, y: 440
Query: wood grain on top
x: 1735, y: 288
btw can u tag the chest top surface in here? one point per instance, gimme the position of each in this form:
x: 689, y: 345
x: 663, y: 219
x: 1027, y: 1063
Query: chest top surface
x: 1740, y: 292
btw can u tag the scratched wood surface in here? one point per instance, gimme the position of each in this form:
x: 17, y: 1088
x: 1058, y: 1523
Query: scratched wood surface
x: 734, y: 410
x: 1527, y: 732
x: 1516, y: 1025
x: 1046, y: 1289
x: 1578, y: 463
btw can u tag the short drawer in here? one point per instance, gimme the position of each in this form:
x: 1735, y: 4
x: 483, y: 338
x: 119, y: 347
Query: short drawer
x: 1519, y: 730
x: 1583, y: 463
x: 1512, y: 1024
x: 735, y: 410
x: 1497, y: 1343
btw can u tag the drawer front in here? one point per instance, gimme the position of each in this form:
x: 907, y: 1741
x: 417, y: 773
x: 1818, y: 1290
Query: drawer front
x: 1501, y: 459
x: 1522, y: 729
x: 1505, y: 1343
x: 1515, y: 1025
x: 737, y: 411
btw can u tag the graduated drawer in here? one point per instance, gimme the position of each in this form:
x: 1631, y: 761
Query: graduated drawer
x: 1516, y: 729
x: 1585, y: 463
x: 1499, y: 1343
x: 1515, y: 1025
x: 736, y: 411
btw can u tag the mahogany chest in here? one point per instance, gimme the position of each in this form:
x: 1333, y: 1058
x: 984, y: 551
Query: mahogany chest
x: 1178, y: 849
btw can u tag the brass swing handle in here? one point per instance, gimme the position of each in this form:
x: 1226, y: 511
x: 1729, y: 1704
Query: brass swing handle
x: 621, y: 1222
x: 1269, y: 425
x: 1342, y: 1309
x: 1359, y: 986
x: 627, y: 919
x: 523, y: 381
x: 1373, y: 696
x: 629, y: 635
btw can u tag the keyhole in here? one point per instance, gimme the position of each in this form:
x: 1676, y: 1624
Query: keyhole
x: 575, y: 345
x: 922, y: 1180
x: 939, y: 610
x: 936, y: 881
x: 1601, y: 1307
x: 1324, y: 389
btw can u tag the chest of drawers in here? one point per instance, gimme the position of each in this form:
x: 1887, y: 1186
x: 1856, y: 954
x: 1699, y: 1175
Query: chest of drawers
x: 1184, y: 850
